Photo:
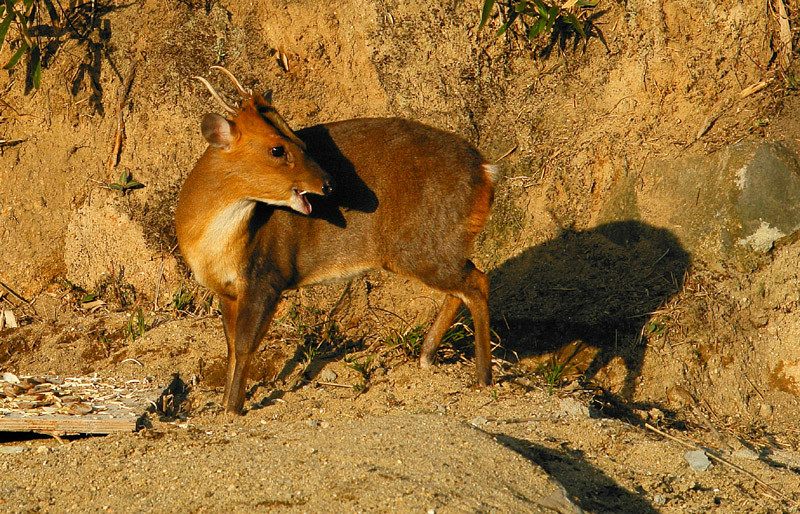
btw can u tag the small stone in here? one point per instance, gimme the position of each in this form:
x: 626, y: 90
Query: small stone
x: 745, y: 454
x: 765, y: 410
x: 479, y: 421
x: 10, y: 378
x: 655, y: 415
x: 313, y: 423
x: 9, y: 450
x: 328, y: 375
x: 42, y: 449
x: 573, y: 407
x: 659, y: 500
x: 697, y: 459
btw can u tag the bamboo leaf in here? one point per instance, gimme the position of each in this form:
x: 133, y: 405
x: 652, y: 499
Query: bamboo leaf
x: 552, y: 17
x: 15, y: 58
x: 537, y: 28
x: 540, y: 6
x: 504, y: 26
x: 577, y: 24
x: 36, y: 64
x: 6, y: 23
x: 487, y: 10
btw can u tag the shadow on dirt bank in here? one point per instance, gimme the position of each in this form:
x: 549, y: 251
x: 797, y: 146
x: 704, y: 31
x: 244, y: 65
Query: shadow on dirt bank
x: 589, y: 296
x: 585, y: 484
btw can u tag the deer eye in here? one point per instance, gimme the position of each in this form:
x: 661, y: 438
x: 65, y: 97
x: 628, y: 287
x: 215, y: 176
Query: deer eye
x: 277, y: 151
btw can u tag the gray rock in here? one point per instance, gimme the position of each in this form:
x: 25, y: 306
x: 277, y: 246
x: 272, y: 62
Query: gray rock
x: 697, y: 459
x: 731, y: 205
x: 573, y: 407
x: 479, y: 421
x: 328, y: 375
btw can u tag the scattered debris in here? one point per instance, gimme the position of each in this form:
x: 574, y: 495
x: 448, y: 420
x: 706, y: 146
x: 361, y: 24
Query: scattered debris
x: 720, y: 460
x: 7, y: 320
x: 85, y: 405
x: 752, y: 89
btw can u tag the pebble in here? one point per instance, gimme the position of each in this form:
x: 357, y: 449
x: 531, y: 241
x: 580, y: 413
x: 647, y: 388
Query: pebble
x: 697, y: 459
x: 8, y: 450
x: 479, y: 421
x: 328, y: 375
x: 746, y: 454
x: 575, y: 408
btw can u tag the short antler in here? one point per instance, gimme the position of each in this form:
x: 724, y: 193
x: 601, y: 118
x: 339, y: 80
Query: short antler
x: 225, y: 105
x: 245, y: 92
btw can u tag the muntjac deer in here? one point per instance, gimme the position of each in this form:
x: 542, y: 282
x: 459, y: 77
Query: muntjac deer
x: 266, y: 209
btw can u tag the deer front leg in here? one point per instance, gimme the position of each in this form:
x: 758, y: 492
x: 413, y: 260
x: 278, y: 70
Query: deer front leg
x: 246, y: 320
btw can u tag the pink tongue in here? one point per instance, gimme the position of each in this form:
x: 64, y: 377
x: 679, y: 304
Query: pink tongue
x: 306, y: 204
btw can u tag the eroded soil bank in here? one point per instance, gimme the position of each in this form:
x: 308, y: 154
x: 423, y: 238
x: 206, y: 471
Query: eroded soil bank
x: 606, y: 317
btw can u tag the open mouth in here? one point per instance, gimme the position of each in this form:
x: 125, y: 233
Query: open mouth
x: 299, y: 201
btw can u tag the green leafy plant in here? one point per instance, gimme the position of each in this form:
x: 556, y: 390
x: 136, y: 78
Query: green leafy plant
x: 126, y: 183
x: 183, y: 299
x: 89, y: 297
x: 137, y: 325
x: 362, y: 367
x: 553, y: 372
x: 657, y: 327
x: 458, y: 332
x: 409, y: 342
x: 310, y: 352
x: 22, y: 14
x: 538, y: 17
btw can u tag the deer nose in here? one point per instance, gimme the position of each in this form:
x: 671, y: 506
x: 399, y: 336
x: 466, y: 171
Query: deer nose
x: 327, y: 187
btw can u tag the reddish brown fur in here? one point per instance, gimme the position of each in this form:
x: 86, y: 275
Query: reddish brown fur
x: 408, y: 198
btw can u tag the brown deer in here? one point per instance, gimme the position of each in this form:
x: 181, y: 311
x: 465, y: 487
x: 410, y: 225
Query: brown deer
x: 266, y: 209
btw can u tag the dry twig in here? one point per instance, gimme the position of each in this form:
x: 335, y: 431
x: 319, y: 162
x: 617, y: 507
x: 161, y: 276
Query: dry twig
x: 120, y: 133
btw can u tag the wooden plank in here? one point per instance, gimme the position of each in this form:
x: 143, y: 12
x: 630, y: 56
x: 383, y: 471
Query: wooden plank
x: 59, y: 424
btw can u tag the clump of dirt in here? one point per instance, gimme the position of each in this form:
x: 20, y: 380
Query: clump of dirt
x: 602, y: 323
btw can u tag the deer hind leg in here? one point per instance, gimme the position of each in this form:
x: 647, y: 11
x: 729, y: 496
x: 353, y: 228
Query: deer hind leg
x: 474, y: 292
x: 440, y: 325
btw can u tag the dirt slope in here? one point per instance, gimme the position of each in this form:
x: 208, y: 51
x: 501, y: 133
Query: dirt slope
x: 602, y: 322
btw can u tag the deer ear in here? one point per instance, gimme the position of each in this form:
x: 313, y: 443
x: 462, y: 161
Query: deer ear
x: 218, y: 131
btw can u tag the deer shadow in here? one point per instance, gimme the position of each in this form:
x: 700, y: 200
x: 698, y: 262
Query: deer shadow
x: 586, y: 485
x: 589, y: 296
